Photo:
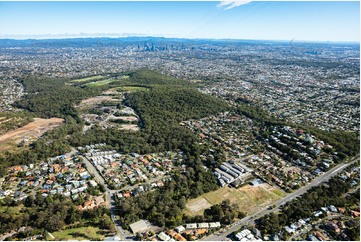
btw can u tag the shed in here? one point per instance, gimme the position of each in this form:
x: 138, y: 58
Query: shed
x: 179, y: 229
x: 256, y: 182
x: 191, y: 226
x: 162, y: 236
x: 139, y: 226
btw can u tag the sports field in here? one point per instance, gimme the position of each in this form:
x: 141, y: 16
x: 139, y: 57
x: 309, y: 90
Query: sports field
x: 92, y: 78
x: 249, y: 198
x: 99, y: 83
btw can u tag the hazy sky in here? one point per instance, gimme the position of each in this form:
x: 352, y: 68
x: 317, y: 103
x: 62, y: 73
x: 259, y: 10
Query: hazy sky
x: 320, y: 21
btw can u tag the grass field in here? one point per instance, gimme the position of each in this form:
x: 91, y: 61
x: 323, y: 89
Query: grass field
x: 132, y: 89
x: 99, y: 83
x: 92, y: 78
x: 82, y: 233
x: 248, y: 198
x: 11, y: 210
x: 279, y: 192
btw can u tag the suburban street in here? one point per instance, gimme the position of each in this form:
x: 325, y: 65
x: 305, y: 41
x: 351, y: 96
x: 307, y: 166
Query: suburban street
x: 93, y: 171
x: 250, y: 219
x: 100, y: 179
x: 121, y: 232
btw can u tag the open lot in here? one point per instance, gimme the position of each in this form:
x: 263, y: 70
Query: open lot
x: 110, y: 92
x: 125, y: 118
x: 93, y: 101
x: 30, y: 131
x: 82, y: 233
x: 99, y: 83
x: 248, y: 198
x: 92, y: 78
x: 196, y: 205
x: 131, y: 127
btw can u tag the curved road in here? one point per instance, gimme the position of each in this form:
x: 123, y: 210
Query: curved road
x: 250, y: 219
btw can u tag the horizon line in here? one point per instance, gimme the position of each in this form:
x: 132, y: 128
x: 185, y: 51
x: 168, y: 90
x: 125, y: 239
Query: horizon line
x: 119, y: 36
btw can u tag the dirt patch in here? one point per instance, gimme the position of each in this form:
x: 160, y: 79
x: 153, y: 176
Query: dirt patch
x: 30, y: 131
x: 126, y: 118
x: 198, y: 205
x: 110, y: 92
x: 131, y: 127
x: 91, y: 102
x: 127, y: 110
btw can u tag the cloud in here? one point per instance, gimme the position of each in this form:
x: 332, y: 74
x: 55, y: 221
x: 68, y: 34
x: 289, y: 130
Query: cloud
x: 232, y: 4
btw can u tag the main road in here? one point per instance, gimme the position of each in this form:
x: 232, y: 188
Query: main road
x: 110, y: 203
x: 250, y: 219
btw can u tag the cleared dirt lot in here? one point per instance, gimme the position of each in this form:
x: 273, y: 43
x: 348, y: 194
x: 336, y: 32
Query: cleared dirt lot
x: 248, y: 198
x: 131, y: 127
x: 198, y: 205
x: 126, y: 118
x: 92, y: 102
x: 31, y: 131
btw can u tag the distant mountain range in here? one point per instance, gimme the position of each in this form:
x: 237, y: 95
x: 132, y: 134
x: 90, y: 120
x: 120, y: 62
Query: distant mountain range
x: 121, y: 41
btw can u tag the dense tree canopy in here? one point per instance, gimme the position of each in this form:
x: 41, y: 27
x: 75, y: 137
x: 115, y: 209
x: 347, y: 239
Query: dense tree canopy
x: 52, y: 97
x: 51, y: 214
x: 165, y: 106
x: 147, y: 77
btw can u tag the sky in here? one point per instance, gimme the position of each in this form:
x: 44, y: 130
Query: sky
x: 299, y: 21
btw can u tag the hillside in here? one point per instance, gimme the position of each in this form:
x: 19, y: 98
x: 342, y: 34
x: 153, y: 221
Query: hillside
x: 149, y: 77
x: 162, y: 106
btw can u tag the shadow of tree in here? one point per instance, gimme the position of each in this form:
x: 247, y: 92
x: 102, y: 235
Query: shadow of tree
x: 83, y: 235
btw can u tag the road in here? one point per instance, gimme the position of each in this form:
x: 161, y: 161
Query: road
x: 110, y: 202
x: 91, y: 168
x: 250, y: 219
x: 123, y: 234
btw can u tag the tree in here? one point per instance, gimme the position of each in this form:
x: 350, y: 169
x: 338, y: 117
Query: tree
x: 54, y: 223
x: 102, y: 188
x: 29, y: 201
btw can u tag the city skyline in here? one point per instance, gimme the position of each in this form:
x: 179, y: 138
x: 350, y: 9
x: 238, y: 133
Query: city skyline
x: 298, y: 21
